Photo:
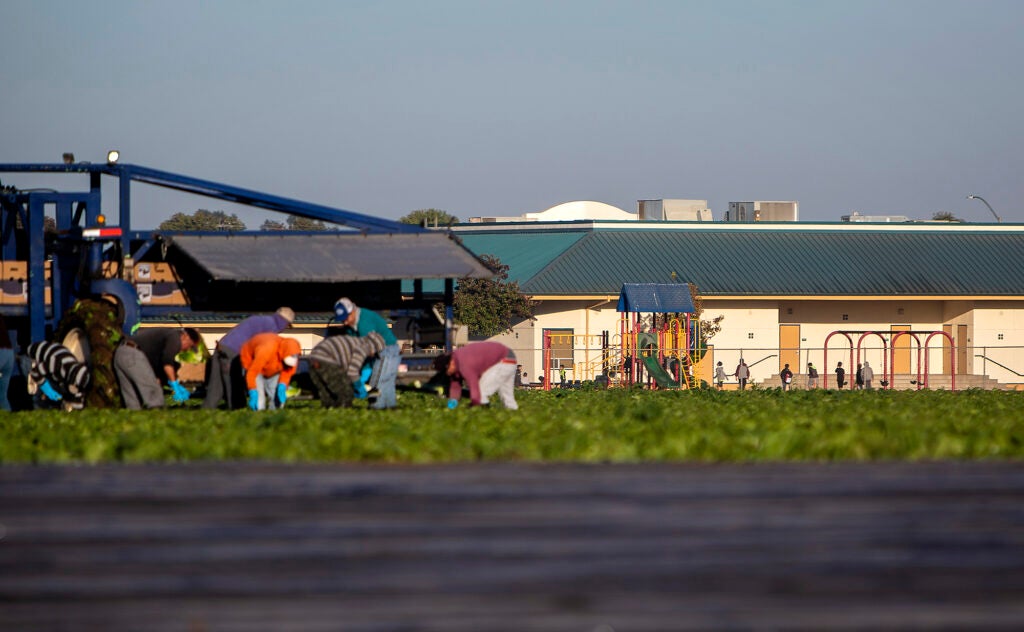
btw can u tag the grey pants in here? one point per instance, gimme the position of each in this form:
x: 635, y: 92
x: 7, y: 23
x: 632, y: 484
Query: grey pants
x: 219, y: 379
x: 140, y: 387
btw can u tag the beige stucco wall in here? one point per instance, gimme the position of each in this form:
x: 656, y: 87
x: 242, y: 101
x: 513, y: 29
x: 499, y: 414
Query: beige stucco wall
x: 993, y: 319
x: 751, y: 330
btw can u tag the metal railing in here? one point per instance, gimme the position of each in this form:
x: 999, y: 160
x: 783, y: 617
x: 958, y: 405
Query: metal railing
x: 986, y: 359
x: 999, y: 363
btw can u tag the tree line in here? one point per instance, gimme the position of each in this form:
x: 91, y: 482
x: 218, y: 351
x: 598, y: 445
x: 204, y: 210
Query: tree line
x: 219, y: 221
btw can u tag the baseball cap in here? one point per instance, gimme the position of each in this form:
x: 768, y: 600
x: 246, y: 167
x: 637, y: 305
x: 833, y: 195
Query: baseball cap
x: 342, y: 308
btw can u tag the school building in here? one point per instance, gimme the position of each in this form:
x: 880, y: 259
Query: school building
x: 783, y: 288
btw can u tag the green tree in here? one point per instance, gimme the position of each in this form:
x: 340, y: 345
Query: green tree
x: 429, y: 217
x: 489, y: 306
x: 296, y: 223
x: 946, y: 216
x: 203, y: 220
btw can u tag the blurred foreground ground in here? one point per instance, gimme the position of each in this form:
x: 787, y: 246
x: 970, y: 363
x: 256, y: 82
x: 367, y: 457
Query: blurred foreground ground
x: 244, y: 546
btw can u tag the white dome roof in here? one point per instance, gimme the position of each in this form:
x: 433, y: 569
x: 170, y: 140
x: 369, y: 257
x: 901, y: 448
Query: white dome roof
x: 581, y: 209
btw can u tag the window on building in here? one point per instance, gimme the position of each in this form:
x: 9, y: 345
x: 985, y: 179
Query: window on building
x: 846, y: 317
x: 561, y: 348
x: 999, y: 336
x: 750, y: 335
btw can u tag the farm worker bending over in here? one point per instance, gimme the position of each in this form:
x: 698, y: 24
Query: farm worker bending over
x: 362, y: 322
x: 485, y: 368
x: 334, y: 367
x: 269, y: 362
x: 147, y: 359
x: 224, y: 370
x: 57, y: 373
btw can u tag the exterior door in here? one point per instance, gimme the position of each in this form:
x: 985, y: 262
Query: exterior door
x: 789, y: 347
x: 901, y: 350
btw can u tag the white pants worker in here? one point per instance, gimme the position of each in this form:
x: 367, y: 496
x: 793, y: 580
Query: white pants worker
x: 500, y: 379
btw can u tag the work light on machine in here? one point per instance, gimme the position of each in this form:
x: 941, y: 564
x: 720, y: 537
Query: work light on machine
x: 112, y: 156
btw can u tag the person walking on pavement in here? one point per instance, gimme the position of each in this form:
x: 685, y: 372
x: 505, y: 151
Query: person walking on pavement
x: 840, y: 375
x: 786, y: 375
x: 859, y: 377
x: 812, y: 376
x: 742, y: 374
x: 868, y: 375
x: 719, y: 375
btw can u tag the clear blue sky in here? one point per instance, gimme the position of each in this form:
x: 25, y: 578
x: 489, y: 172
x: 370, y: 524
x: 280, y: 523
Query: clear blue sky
x: 502, y: 108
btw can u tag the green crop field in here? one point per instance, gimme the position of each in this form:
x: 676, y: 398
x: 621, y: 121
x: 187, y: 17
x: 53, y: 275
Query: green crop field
x: 576, y: 425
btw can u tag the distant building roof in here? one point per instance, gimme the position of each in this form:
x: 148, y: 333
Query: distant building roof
x: 761, y: 259
x: 330, y: 257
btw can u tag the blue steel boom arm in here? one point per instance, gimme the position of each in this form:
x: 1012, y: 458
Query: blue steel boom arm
x: 127, y: 173
x: 78, y: 211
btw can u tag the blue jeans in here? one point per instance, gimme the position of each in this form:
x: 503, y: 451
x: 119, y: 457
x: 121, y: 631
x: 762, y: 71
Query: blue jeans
x: 388, y: 360
x: 6, y: 370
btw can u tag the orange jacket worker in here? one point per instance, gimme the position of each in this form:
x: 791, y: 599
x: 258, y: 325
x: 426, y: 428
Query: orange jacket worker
x: 269, y: 361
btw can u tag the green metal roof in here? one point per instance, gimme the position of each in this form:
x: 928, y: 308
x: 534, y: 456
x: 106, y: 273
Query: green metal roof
x: 524, y: 261
x: 814, y: 262
x: 526, y: 254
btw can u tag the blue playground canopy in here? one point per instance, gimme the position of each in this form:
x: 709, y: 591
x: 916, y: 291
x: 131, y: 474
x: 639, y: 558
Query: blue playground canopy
x: 659, y: 298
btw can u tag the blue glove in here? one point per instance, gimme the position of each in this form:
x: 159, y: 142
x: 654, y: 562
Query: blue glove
x: 452, y: 403
x: 254, y: 400
x: 50, y: 392
x: 360, y: 389
x: 365, y: 373
x: 282, y: 394
x: 179, y: 392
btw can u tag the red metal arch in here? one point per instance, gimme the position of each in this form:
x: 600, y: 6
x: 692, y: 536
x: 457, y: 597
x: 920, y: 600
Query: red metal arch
x: 952, y: 358
x: 892, y: 356
x: 881, y: 336
x: 824, y: 377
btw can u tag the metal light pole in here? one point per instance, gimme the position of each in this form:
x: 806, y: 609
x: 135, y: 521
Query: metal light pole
x: 978, y: 197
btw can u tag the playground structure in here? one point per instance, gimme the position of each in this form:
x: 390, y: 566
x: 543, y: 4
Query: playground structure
x: 660, y: 354
x: 889, y: 359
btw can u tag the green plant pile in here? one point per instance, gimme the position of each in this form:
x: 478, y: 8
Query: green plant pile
x: 561, y: 425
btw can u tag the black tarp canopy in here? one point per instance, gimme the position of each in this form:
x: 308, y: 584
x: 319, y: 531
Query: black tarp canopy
x: 330, y: 257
